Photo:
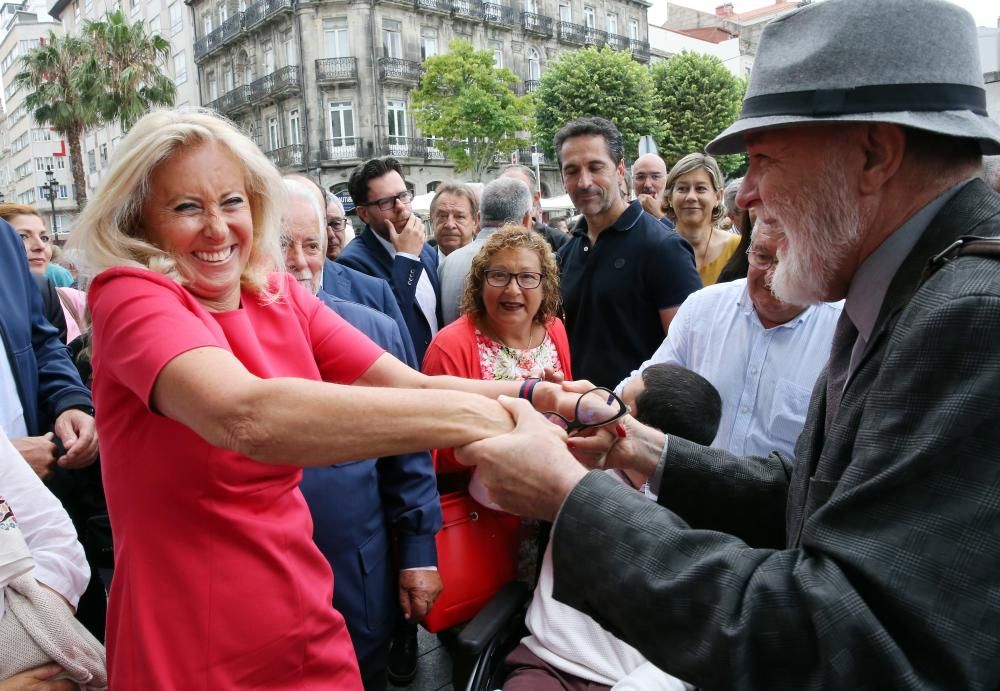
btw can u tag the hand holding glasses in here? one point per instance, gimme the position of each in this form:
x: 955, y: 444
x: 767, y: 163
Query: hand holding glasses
x: 594, y: 408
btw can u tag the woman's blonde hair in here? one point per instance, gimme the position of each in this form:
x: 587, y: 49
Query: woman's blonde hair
x: 10, y: 210
x: 689, y: 164
x: 512, y: 237
x: 109, y: 231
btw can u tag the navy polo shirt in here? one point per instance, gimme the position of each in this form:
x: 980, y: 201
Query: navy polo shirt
x: 614, y: 290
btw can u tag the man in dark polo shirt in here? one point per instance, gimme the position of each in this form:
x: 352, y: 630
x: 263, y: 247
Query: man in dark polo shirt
x: 624, y: 274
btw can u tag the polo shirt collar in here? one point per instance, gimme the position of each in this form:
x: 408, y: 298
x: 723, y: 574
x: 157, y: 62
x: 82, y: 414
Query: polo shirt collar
x: 633, y: 212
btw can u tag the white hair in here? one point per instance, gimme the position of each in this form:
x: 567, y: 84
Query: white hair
x: 300, y: 193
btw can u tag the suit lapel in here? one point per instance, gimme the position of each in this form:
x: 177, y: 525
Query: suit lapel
x: 377, y: 250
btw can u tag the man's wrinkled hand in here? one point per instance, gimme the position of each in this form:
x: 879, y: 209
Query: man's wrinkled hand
x: 410, y: 239
x: 78, y: 433
x: 39, y: 452
x: 651, y: 205
x: 418, y: 589
x: 38, y: 679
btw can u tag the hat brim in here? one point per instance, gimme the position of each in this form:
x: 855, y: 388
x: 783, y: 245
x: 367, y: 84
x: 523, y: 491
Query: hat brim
x: 953, y: 123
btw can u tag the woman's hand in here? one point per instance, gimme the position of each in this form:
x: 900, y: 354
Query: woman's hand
x: 39, y: 679
x: 39, y: 452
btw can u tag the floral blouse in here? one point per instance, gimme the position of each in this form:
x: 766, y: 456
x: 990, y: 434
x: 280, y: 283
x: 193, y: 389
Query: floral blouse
x: 501, y: 362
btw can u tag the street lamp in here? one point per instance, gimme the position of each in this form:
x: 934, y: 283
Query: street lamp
x: 51, y: 190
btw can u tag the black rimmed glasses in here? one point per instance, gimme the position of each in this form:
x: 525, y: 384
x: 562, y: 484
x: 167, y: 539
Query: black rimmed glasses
x: 386, y: 203
x: 336, y: 223
x: 595, y: 408
x: 528, y: 280
x: 761, y: 260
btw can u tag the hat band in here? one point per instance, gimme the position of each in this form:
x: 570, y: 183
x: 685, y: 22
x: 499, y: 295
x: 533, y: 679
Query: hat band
x: 881, y: 98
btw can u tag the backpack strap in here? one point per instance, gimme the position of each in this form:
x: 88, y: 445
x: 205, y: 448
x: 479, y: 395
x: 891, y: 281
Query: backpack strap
x: 965, y: 246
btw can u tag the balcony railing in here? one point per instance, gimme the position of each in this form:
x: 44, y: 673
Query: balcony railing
x: 495, y: 13
x: 288, y: 156
x: 572, y: 33
x: 618, y: 42
x: 443, y: 6
x: 231, y: 27
x: 206, y: 44
x: 232, y: 101
x: 397, y: 70
x: 408, y: 147
x: 283, y: 81
x: 536, y: 23
x: 640, y: 49
x: 593, y: 37
x: 337, y: 70
x: 531, y: 86
x: 341, y: 149
x: 265, y: 9
x: 524, y: 157
x: 471, y: 10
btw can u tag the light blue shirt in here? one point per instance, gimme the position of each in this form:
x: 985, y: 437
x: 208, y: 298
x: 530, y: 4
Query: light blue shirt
x: 453, y: 271
x: 764, y: 376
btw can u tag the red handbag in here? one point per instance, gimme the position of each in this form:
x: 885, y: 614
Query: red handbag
x: 477, y: 550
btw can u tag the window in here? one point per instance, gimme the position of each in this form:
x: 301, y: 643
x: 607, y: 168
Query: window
x: 88, y: 7
x: 392, y: 38
x: 531, y: 6
x: 41, y: 135
x: 428, y: 42
x: 223, y: 12
x: 134, y: 5
x: 633, y: 29
x: 272, y: 134
x: 341, y: 124
x: 497, y: 49
x: 76, y: 14
x: 565, y: 13
x: 213, y: 85
x: 154, y: 25
x: 176, y: 16
x: 268, y: 58
x: 294, y: 127
x: 63, y: 192
x: 612, y: 23
x: 206, y: 23
x: 227, y: 77
x: 534, y: 65
x: 27, y: 197
x: 336, y: 40
x: 288, y: 44
x: 396, y: 119
x: 60, y: 162
x: 92, y: 161
x: 104, y: 155
x: 180, y: 68
x: 588, y: 17
x: 43, y: 163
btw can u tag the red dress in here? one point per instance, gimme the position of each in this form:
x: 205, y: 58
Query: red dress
x: 218, y: 584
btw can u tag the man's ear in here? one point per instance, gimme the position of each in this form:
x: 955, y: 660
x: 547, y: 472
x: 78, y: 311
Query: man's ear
x: 884, y: 146
x: 526, y: 220
x: 362, y: 212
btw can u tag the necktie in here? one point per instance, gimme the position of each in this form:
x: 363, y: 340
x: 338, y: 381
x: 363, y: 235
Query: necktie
x: 844, y: 337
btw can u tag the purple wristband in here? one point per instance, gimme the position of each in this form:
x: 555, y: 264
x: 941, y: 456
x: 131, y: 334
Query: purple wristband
x: 528, y: 388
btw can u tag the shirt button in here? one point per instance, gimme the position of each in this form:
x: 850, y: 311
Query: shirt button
x: 586, y: 249
x: 745, y: 409
x: 754, y: 371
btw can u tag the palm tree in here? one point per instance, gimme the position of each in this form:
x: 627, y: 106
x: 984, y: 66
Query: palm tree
x: 59, y: 96
x: 127, y: 80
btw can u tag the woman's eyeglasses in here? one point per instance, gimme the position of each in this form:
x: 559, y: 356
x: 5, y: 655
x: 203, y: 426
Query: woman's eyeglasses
x: 526, y: 279
x: 595, y: 408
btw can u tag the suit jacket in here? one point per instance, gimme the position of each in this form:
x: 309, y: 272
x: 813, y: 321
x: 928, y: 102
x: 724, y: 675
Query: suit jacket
x: 45, y: 376
x: 355, y: 504
x: 872, y: 562
x: 368, y: 256
x: 348, y: 284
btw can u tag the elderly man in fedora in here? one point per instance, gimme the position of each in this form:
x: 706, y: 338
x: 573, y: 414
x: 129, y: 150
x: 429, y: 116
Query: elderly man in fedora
x: 872, y: 562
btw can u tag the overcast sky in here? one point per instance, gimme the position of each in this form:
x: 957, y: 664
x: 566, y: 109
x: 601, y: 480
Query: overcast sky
x: 985, y: 11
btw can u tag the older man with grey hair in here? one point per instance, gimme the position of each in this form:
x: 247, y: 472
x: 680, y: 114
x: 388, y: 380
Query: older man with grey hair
x: 504, y: 200
x: 526, y: 175
x: 649, y: 179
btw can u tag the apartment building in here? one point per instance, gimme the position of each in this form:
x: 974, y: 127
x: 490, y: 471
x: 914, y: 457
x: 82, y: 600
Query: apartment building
x: 29, y: 151
x: 321, y: 85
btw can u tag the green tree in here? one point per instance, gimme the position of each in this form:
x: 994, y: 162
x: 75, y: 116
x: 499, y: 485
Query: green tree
x: 696, y: 99
x: 60, y: 96
x: 471, y: 106
x: 592, y: 82
x: 127, y: 81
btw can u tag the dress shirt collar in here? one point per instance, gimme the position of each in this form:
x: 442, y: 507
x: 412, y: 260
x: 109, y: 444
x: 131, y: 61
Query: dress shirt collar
x: 747, y: 308
x: 486, y: 231
x: 389, y: 247
x: 871, y: 281
x: 633, y: 212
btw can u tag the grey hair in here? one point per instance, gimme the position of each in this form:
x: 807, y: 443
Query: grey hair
x: 526, y: 171
x: 505, y: 200
x: 298, y: 192
x: 729, y: 196
x: 331, y: 198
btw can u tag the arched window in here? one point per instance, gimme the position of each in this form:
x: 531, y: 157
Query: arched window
x: 433, y: 185
x: 534, y: 65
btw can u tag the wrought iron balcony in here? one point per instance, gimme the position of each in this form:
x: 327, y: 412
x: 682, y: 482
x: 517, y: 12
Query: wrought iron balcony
x: 285, y: 81
x: 207, y: 43
x: 263, y: 10
x: 470, y: 10
x: 531, y: 85
x: 337, y: 70
x: 442, y: 6
x: 288, y: 156
x: 536, y: 23
x: 618, y: 42
x: 524, y: 157
x: 341, y: 149
x: 640, y: 49
x: 232, y: 101
x: 231, y: 27
x: 406, y: 147
x: 572, y: 33
x: 502, y: 15
x: 398, y: 70
x: 593, y: 37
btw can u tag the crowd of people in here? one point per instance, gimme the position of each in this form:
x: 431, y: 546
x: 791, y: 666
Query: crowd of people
x: 241, y: 444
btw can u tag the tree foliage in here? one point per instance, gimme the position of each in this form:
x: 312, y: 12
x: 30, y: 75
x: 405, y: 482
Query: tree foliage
x: 472, y: 107
x: 696, y: 99
x: 107, y: 74
x: 591, y: 82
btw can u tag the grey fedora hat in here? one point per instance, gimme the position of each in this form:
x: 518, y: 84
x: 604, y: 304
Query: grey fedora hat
x: 906, y: 62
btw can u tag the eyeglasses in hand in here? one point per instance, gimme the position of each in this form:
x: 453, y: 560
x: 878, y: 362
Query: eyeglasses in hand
x: 528, y: 280
x: 386, y: 203
x: 595, y: 408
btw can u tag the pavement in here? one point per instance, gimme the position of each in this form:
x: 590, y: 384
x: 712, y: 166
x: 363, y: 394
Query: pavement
x: 433, y: 666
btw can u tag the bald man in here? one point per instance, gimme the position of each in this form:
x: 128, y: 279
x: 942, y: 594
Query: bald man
x: 649, y: 179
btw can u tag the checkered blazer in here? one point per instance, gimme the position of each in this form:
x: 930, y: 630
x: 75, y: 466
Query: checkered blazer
x: 871, y: 563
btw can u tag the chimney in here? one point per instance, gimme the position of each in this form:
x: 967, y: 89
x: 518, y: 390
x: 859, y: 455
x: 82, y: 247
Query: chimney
x: 725, y: 11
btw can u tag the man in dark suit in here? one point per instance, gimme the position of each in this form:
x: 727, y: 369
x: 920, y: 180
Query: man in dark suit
x: 872, y: 561
x: 354, y: 505
x: 392, y: 246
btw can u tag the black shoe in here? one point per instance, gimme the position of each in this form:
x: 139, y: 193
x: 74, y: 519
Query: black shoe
x: 402, y: 667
